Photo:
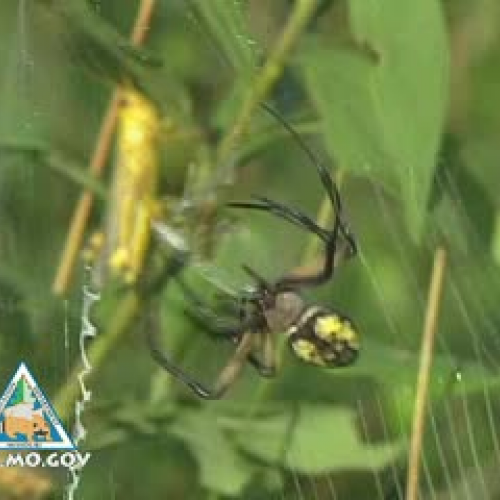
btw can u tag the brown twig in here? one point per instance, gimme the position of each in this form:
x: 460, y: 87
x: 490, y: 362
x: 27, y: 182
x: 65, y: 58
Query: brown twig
x: 426, y: 355
x: 100, y: 155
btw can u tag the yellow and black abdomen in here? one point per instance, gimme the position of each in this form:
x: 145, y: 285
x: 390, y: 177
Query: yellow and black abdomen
x: 324, y: 338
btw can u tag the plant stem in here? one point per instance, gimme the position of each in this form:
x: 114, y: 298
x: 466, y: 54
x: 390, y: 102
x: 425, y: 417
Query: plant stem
x: 128, y: 309
x: 126, y: 312
x: 426, y: 355
x: 268, y: 76
x: 323, y: 217
x: 262, y: 138
x: 98, y: 161
x: 69, y: 170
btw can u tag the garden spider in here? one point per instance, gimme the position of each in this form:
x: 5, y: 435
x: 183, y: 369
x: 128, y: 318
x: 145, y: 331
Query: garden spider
x: 315, y: 334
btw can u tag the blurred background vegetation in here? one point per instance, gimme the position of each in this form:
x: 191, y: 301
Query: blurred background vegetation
x: 400, y: 98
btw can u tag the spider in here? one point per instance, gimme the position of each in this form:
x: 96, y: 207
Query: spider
x: 316, y: 335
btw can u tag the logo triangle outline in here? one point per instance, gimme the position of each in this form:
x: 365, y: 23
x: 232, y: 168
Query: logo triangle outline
x: 27, y: 419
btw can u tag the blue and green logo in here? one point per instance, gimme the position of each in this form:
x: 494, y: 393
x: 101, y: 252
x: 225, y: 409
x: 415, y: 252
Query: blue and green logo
x: 27, y: 419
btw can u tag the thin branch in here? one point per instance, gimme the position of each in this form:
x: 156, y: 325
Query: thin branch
x: 424, y: 374
x: 269, y: 75
x: 100, y: 155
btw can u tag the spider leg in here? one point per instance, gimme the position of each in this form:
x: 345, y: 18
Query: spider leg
x: 204, y: 316
x: 297, y: 218
x: 339, y: 227
x: 324, y: 174
x: 268, y: 363
x: 325, y: 273
x: 201, y: 313
x: 164, y: 361
x: 290, y: 214
x: 333, y: 193
x: 234, y: 366
x: 227, y: 376
x: 262, y: 282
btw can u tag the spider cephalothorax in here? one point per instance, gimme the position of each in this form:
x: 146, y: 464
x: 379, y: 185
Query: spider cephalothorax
x: 315, y: 334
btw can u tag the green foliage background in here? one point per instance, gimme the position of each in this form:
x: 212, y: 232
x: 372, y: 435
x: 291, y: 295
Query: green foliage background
x: 401, y: 97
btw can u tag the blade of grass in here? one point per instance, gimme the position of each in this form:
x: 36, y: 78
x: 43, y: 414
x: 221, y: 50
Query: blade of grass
x: 424, y: 374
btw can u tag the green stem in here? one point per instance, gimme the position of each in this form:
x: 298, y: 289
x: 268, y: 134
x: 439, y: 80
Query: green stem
x: 262, y: 85
x: 323, y: 218
x: 268, y: 76
x: 126, y: 311
x: 78, y: 176
x: 263, y: 138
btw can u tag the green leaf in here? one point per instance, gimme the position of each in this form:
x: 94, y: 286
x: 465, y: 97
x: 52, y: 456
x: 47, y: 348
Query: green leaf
x: 106, y: 438
x: 317, y: 439
x: 75, y: 173
x: 59, y: 162
x: 395, y: 370
x: 463, y: 211
x: 222, y: 468
x: 93, y: 42
x: 225, y: 24
x: 98, y: 47
x: 383, y: 101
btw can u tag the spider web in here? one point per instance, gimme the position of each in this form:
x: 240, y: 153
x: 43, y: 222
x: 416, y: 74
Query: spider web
x: 462, y: 445
x: 459, y: 444
x: 457, y: 454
